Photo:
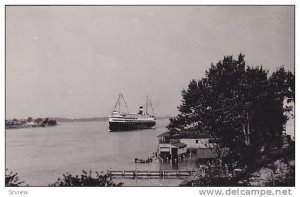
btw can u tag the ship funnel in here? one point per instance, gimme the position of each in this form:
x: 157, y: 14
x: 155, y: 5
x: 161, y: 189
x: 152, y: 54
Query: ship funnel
x: 141, y: 110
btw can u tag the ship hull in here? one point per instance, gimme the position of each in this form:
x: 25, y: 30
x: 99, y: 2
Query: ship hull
x: 126, y: 126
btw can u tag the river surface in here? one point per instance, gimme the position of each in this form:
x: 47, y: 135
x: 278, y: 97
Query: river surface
x: 41, y: 155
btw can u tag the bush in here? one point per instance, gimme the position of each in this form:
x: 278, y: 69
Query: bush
x: 86, y: 179
x: 214, y: 174
x: 283, y: 174
x: 12, y: 179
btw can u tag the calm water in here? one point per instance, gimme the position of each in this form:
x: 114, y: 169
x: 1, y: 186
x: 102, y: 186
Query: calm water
x: 41, y: 155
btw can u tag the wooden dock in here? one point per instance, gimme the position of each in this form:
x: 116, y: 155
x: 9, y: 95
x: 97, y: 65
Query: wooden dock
x: 152, y: 174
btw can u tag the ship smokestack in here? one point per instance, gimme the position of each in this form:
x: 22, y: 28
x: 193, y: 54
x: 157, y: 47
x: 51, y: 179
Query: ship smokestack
x: 141, y: 110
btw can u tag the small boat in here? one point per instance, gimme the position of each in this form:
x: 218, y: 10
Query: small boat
x: 136, y: 160
x: 124, y: 121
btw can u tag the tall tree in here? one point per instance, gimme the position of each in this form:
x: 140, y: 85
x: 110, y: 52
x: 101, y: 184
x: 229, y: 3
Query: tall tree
x: 238, y: 104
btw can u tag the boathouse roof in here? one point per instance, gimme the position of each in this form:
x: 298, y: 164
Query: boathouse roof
x: 179, y: 145
x: 186, y: 135
x: 165, y: 134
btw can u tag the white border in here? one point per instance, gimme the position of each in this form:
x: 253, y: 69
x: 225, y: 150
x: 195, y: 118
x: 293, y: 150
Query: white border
x: 149, y: 2
x: 127, y: 191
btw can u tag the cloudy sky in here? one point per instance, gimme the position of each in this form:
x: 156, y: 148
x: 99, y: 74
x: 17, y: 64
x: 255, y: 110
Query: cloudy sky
x: 73, y: 62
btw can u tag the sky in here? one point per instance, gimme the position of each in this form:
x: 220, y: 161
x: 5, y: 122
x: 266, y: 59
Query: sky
x: 73, y: 61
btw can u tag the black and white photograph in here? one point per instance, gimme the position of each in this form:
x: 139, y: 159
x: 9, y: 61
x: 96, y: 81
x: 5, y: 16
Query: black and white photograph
x: 149, y: 96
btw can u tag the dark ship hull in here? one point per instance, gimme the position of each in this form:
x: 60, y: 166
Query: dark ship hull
x: 126, y: 126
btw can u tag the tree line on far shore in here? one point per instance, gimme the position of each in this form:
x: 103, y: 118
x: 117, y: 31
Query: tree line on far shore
x: 29, y: 122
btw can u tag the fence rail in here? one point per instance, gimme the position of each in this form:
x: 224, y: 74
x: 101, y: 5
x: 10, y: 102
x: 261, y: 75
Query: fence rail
x: 154, y: 174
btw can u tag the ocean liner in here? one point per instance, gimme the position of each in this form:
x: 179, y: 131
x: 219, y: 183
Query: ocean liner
x: 124, y: 121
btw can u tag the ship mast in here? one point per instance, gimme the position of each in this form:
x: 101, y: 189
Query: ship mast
x: 147, y: 105
x: 119, y: 106
x: 118, y: 103
x: 151, y: 107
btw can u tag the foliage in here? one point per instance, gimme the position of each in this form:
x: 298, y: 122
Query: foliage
x: 12, y: 179
x: 216, y: 173
x: 52, y: 122
x: 282, y: 174
x: 86, y: 179
x: 240, y: 105
x: 282, y: 167
x: 38, y: 120
x: 281, y: 179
